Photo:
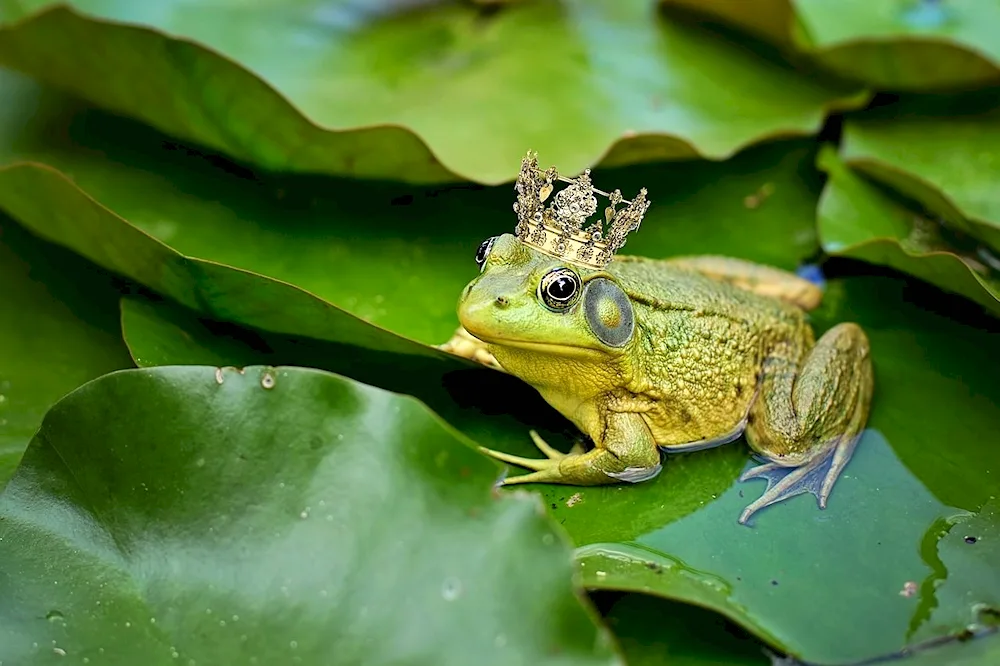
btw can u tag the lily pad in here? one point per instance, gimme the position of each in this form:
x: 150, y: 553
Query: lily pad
x: 964, y: 590
x: 60, y: 329
x: 336, y: 87
x: 393, y: 255
x: 892, y: 44
x: 275, y: 516
x: 943, y: 152
x: 857, y: 219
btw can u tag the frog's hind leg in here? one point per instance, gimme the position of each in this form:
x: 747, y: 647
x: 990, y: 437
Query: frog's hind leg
x: 809, y: 419
x: 758, y: 278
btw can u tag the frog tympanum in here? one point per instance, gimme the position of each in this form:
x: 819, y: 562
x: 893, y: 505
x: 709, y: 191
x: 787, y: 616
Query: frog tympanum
x: 646, y: 356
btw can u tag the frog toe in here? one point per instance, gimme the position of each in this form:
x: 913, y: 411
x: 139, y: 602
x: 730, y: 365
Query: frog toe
x: 783, y: 483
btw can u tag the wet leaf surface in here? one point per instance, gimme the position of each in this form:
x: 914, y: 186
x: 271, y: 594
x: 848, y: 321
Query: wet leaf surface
x: 59, y: 329
x: 892, y: 45
x: 186, y: 518
x: 336, y: 87
x: 858, y: 219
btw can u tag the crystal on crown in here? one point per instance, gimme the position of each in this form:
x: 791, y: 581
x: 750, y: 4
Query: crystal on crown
x: 558, y: 229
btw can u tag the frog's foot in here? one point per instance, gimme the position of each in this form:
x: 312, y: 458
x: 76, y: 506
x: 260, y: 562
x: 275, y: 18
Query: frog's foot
x: 635, y: 462
x: 810, y: 416
x: 464, y: 344
x: 816, y: 476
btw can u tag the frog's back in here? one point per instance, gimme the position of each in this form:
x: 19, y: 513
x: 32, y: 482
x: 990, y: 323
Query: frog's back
x: 701, y: 344
x: 664, y: 286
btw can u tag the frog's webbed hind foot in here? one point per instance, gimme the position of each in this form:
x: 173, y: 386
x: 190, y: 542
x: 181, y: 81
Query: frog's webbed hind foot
x: 463, y: 344
x: 810, y: 417
x: 816, y: 477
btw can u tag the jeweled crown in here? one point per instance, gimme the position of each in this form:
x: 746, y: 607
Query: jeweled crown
x: 558, y: 229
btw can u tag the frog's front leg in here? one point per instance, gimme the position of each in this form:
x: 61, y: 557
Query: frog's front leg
x: 626, y: 453
x: 464, y: 344
x: 810, y: 416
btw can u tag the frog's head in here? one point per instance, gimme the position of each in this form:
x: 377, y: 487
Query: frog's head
x: 531, y: 308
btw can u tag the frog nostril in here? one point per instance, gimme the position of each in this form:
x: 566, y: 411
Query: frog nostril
x: 502, y: 301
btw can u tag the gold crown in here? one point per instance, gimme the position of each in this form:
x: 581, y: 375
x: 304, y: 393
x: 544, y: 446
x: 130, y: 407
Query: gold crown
x: 557, y: 230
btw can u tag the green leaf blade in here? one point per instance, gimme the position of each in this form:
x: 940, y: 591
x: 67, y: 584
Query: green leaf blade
x: 277, y: 515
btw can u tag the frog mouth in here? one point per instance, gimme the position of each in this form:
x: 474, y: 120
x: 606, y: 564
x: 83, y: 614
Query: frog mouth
x: 534, y: 345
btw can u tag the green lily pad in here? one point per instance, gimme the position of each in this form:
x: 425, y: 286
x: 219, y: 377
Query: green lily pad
x: 964, y: 590
x: 859, y: 220
x: 943, y: 152
x: 329, y: 87
x: 274, y: 516
x: 892, y: 45
x: 393, y: 255
x: 60, y: 329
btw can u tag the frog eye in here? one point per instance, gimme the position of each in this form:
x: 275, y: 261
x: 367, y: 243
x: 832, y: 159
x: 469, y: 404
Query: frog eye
x: 559, y: 289
x: 484, y: 251
x: 609, y: 312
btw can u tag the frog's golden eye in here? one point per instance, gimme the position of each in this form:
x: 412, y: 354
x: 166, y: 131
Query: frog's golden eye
x: 609, y: 312
x: 484, y: 251
x: 559, y: 289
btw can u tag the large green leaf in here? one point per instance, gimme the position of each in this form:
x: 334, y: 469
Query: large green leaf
x: 390, y: 254
x: 273, y: 516
x: 943, y: 152
x: 58, y: 329
x: 321, y: 86
x: 857, y: 219
x: 890, y: 44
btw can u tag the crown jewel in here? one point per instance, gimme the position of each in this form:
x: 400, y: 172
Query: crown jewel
x: 558, y: 229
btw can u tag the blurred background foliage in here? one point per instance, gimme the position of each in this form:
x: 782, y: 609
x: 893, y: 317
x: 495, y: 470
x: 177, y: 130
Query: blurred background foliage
x: 205, y: 195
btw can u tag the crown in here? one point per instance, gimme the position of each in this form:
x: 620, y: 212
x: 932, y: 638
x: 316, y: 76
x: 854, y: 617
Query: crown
x: 558, y: 229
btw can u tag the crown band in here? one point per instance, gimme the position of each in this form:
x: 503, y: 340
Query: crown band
x: 558, y: 229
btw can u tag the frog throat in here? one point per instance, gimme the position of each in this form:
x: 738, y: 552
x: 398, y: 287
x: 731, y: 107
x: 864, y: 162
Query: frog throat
x: 558, y: 229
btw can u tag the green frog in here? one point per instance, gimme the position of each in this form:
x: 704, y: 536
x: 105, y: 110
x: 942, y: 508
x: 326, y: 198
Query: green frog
x: 647, y: 356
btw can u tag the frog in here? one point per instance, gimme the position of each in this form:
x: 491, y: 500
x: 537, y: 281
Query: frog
x: 649, y: 357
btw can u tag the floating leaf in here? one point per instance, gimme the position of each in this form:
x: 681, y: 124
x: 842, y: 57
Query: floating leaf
x: 332, y: 87
x: 392, y: 255
x: 857, y: 219
x: 964, y: 590
x: 943, y: 152
x: 891, y: 44
x: 60, y: 329
x: 274, y: 515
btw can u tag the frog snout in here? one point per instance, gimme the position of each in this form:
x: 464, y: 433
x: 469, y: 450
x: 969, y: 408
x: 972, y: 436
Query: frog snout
x: 502, y: 301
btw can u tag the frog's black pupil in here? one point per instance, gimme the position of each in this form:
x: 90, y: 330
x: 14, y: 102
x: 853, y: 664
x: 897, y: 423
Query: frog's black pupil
x: 562, y: 288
